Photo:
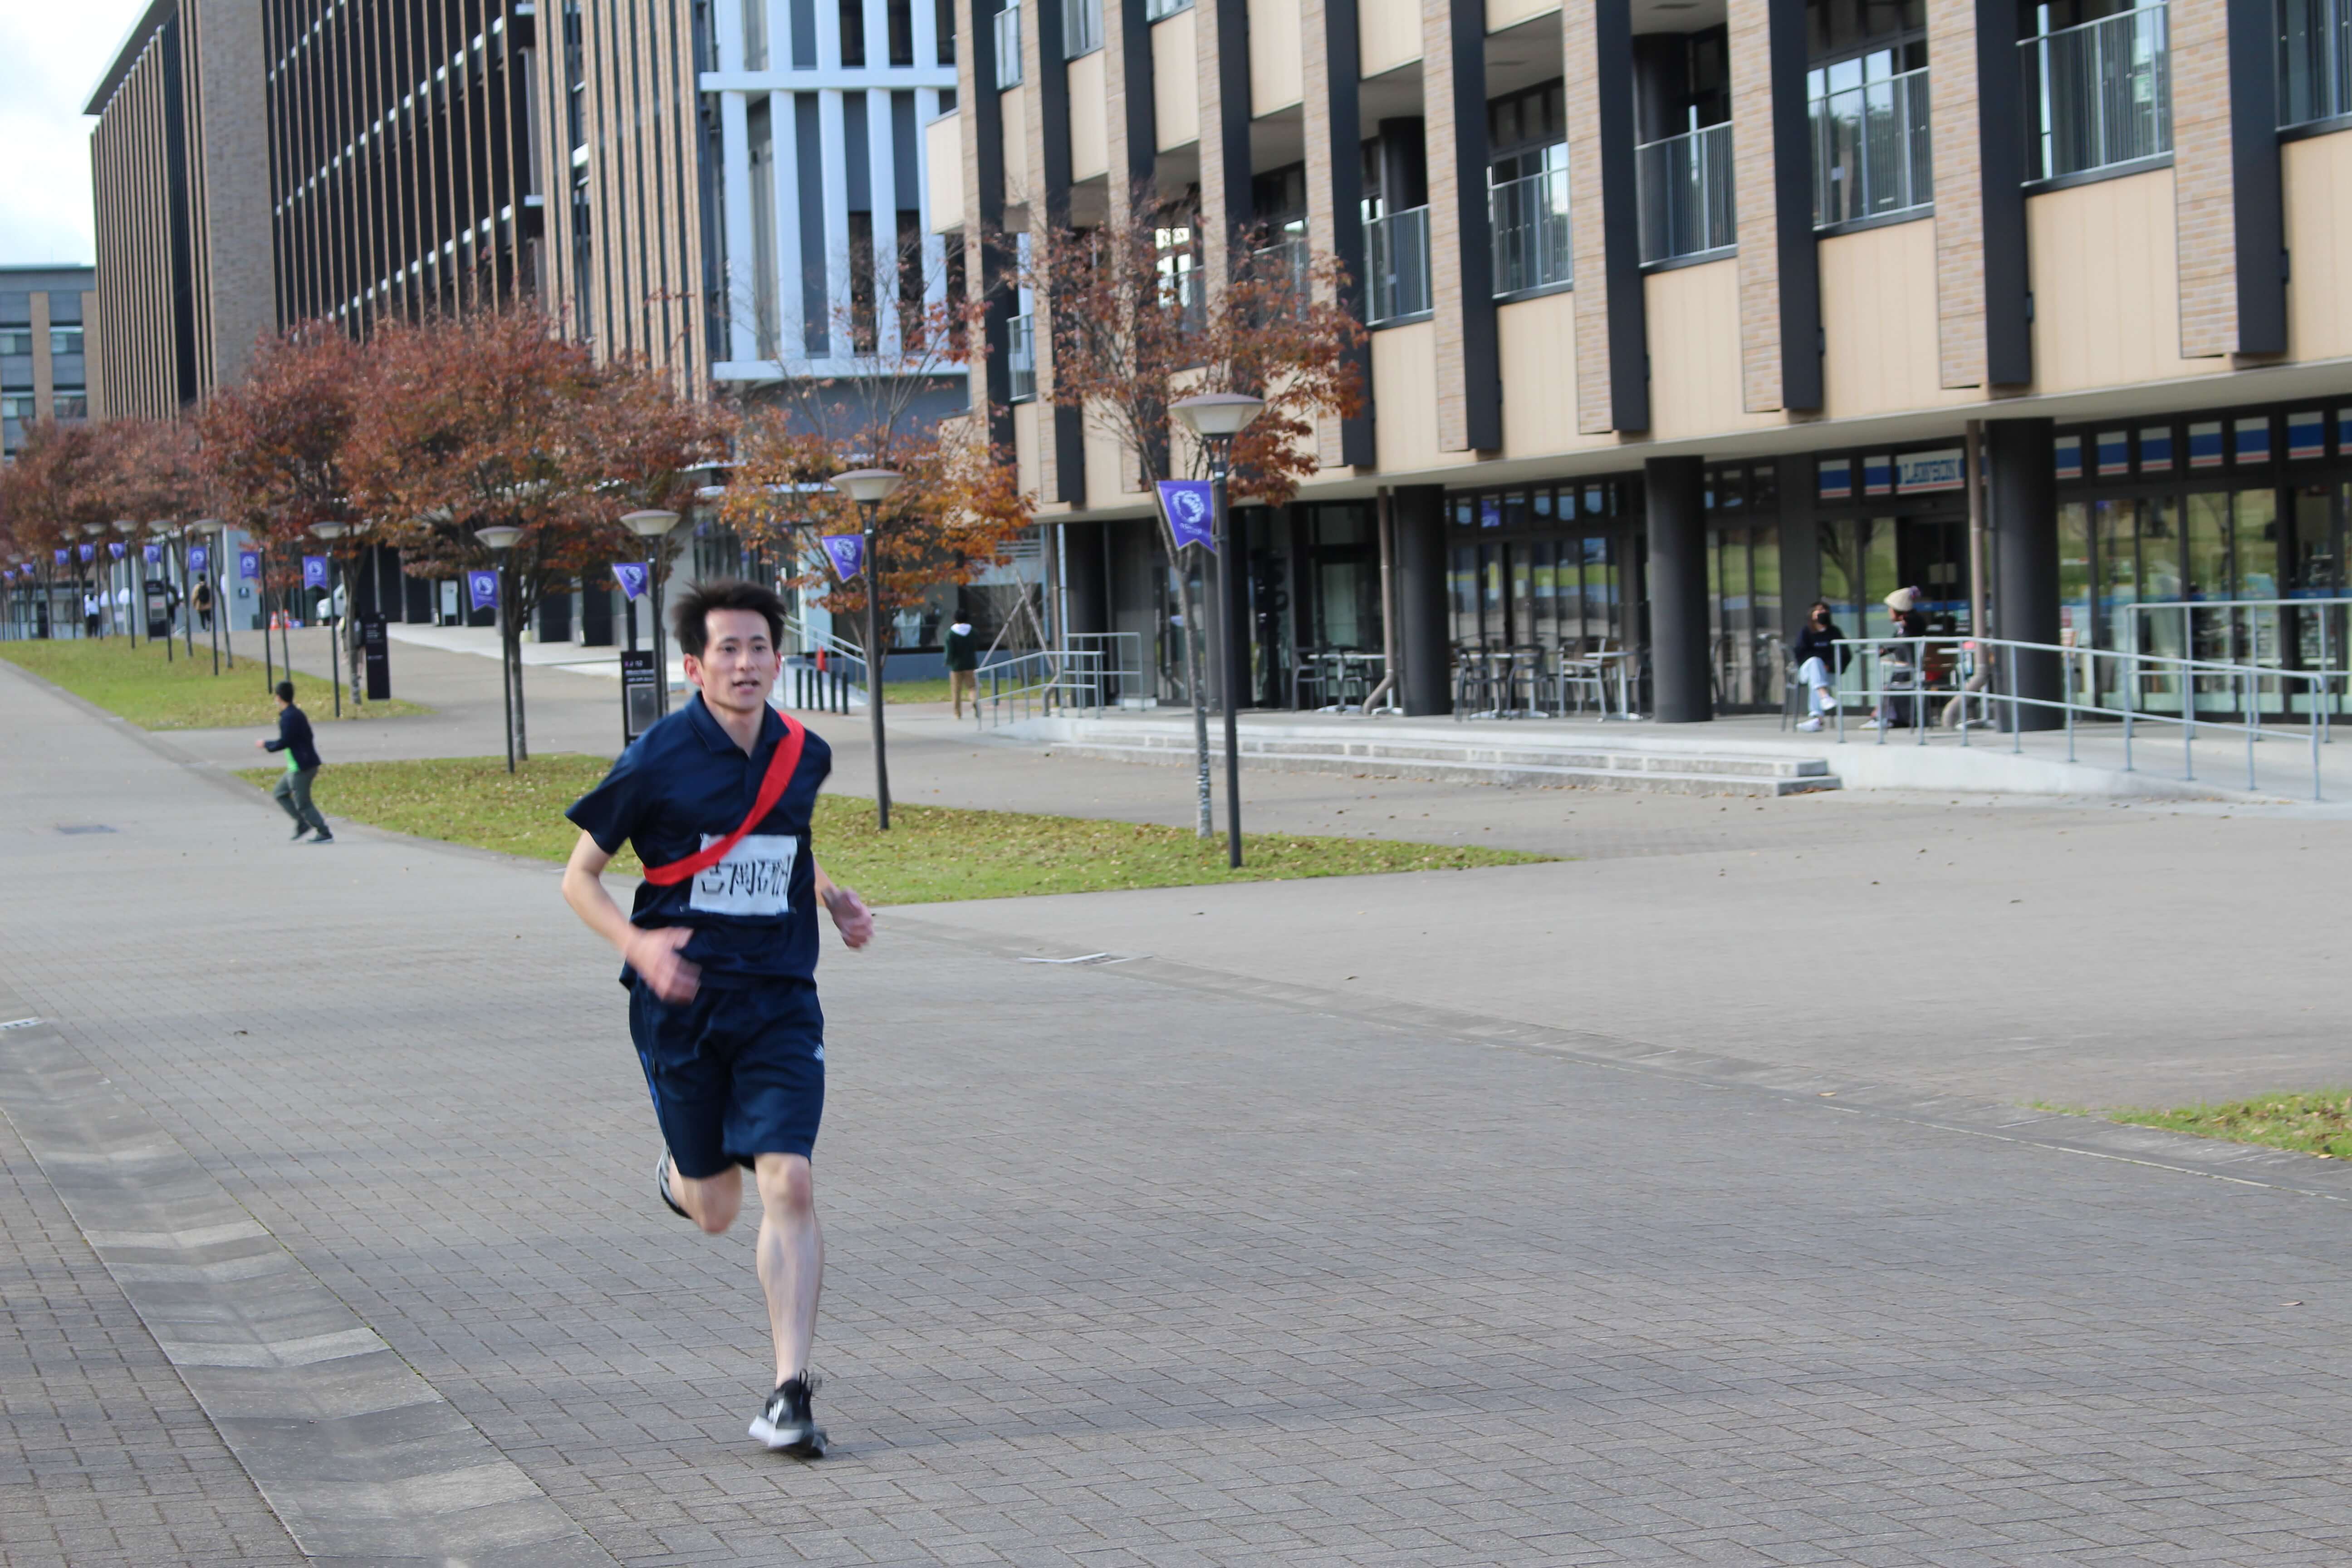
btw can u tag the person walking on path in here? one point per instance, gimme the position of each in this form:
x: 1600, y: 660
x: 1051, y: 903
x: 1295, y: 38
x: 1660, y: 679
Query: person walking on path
x: 963, y: 665
x: 89, y: 613
x: 293, y: 791
x: 720, y: 954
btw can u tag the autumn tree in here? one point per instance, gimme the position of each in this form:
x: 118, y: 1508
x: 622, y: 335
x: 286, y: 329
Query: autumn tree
x: 495, y: 419
x: 1132, y: 331
x: 878, y: 405
x: 49, y: 492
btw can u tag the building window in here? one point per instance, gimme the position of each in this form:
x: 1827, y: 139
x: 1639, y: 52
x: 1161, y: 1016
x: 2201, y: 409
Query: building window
x: 65, y: 339
x: 15, y: 341
x: 1008, y: 46
x: 2098, y: 86
x: 70, y: 403
x: 2315, y: 60
x: 16, y: 406
x: 1082, y: 27
x: 853, y: 32
x: 1153, y: 10
x: 1682, y: 163
x: 1527, y: 190
x: 1867, y: 91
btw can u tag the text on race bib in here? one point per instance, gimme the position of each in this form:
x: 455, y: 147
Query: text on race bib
x: 755, y: 878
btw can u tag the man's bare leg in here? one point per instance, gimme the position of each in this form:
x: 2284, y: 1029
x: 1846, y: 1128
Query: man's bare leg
x: 711, y: 1202
x: 791, y: 1258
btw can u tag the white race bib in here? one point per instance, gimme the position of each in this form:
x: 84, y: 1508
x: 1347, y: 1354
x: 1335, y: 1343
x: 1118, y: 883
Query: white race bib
x: 755, y: 878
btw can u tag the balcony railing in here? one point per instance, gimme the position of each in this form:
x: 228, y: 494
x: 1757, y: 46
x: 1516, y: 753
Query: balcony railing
x: 1081, y: 28
x: 1021, y: 357
x: 1286, y: 264
x: 2103, y: 92
x: 1684, y: 186
x: 1396, y: 265
x: 2315, y: 60
x: 1153, y: 10
x: 1532, y: 247
x: 1008, y: 47
x: 1873, y: 151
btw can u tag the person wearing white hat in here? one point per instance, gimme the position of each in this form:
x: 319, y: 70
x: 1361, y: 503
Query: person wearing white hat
x: 1896, y: 665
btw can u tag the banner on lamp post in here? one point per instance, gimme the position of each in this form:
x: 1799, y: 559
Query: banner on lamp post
x: 847, y: 552
x: 199, y: 558
x: 314, y: 570
x: 484, y: 587
x: 90, y: 552
x: 1191, y: 508
x: 633, y: 577
x: 114, y: 548
x: 61, y: 557
x: 249, y: 564
x: 153, y: 552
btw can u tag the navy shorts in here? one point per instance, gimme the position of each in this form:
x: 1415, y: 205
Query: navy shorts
x: 734, y: 1073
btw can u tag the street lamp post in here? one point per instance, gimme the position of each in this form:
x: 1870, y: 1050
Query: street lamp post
x: 870, y: 488
x: 1216, y: 418
x: 500, y: 538
x: 160, y: 535
x: 333, y: 533
x: 127, y: 623
x: 653, y: 526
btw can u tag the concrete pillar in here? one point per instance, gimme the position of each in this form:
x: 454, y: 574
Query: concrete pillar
x: 1801, y: 544
x: 2022, y: 476
x: 1424, y: 684
x: 1674, y: 489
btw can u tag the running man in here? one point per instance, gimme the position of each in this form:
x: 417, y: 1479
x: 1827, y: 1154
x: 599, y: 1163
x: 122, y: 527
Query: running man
x: 719, y: 957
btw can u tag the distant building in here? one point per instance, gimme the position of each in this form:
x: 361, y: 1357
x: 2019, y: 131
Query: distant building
x: 46, y: 349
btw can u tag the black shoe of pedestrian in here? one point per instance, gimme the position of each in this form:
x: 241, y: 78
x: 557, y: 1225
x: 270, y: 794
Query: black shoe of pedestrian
x: 661, y: 1185
x: 785, y: 1423
x: 300, y: 829
x: 324, y: 838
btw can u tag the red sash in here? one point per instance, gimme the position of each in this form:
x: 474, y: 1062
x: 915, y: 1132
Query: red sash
x: 772, y: 790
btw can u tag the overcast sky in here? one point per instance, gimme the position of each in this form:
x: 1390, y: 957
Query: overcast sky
x: 51, y: 55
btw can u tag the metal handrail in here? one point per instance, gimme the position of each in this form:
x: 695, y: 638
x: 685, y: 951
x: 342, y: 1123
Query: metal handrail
x: 1021, y: 358
x: 1008, y: 47
x: 1396, y: 250
x: 1533, y: 248
x: 2315, y: 60
x: 1683, y: 185
x: 1979, y: 694
x: 1091, y: 672
x: 1870, y: 148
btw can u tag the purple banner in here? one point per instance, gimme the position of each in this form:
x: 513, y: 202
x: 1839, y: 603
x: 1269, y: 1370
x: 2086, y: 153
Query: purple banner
x: 198, y: 558
x: 248, y: 563
x: 61, y: 557
x: 114, y: 548
x: 484, y: 587
x: 314, y: 570
x: 632, y: 578
x: 155, y: 553
x: 1190, y: 506
x: 847, y: 552
x: 90, y: 552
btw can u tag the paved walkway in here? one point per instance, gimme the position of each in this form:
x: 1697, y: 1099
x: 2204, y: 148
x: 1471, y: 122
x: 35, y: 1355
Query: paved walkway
x: 1154, y: 1262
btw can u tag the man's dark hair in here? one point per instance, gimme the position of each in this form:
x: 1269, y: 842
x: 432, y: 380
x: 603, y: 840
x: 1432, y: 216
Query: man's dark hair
x: 285, y: 690
x: 690, y: 617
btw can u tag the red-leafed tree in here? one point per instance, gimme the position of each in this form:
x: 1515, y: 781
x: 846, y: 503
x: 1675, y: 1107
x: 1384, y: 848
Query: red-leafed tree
x: 48, y: 494
x: 494, y: 419
x: 1133, y: 329
x: 277, y: 445
x: 960, y: 505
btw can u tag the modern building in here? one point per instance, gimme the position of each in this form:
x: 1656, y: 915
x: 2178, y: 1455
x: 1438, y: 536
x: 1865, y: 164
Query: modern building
x: 47, y: 317
x: 1683, y: 312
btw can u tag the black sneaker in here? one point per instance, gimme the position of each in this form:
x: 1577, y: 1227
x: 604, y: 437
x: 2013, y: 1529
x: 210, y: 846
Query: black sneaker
x: 300, y: 829
x: 661, y: 1185
x: 785, y: 1425
x: 324, y: 838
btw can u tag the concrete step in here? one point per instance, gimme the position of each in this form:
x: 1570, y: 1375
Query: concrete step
x: 1750, y: 777
x: 1626, y: 759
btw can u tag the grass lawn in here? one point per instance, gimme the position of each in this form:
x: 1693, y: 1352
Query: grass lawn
x: 2317, y: 1123
x: 180, y: 693
x: 930, y: 854
x: 914, y: 691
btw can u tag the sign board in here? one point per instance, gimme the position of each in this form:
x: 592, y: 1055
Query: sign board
x: 375, y: 656
x: 1916, y: 473
x: 160, y: 600
x: 640, y: 693
x: 449, y: 602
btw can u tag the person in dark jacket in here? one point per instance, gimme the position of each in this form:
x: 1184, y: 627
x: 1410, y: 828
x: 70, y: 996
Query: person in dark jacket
x: 293, y: 791
x: 963, y: 664
x: 1818, y: 660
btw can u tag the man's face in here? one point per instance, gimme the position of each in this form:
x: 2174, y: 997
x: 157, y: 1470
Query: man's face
x: 737, y: 668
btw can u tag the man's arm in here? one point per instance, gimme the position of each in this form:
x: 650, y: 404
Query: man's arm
x: 656, y: 954
x: 850, y: 914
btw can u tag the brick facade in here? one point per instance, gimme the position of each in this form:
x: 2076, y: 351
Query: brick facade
x: 2203, y: 185
x: 1753, y: 185
x: 1581, y: 65
x: 1445, y: 280
x: 1960, y: 193
x: 1321, y: 218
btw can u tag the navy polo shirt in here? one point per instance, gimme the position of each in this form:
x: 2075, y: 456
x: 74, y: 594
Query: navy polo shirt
x: 685, y: 782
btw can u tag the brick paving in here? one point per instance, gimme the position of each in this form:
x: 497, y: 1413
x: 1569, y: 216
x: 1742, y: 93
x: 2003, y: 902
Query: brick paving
x: 1123, y: 1272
